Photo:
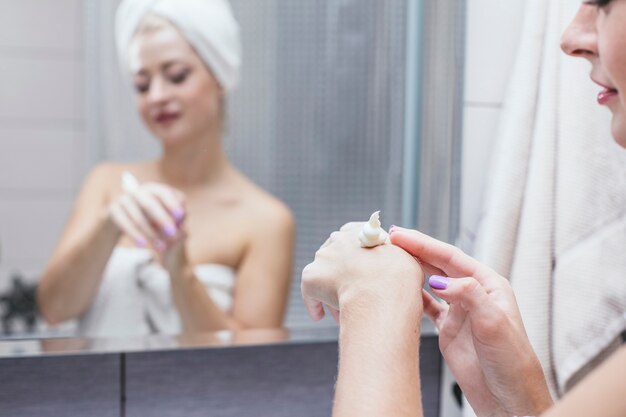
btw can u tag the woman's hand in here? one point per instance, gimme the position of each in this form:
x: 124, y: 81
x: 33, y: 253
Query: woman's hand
x: 151, y: 214
x: 345, y: 273
x: 481, y: 333
x: 375, y: 295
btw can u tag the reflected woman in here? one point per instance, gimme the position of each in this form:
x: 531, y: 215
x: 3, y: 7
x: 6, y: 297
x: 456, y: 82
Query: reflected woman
x: 189, y: 244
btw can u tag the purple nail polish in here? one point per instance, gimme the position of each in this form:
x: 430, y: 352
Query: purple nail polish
x: 438, y: 282
x: 179, y: 215
x: 170, y: 230
x: 142, y: 243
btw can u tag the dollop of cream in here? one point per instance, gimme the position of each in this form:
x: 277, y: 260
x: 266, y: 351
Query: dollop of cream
x: 130, y: 184
x: 372, y: 234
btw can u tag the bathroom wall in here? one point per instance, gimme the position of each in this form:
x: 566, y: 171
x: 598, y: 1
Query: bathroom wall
x: 41, y: 128
x: 493, y: 30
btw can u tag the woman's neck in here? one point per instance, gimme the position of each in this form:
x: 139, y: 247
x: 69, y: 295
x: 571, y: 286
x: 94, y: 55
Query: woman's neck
x: 194, y: 163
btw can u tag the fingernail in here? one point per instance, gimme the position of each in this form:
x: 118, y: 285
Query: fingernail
x: 438, y: 282
x: 392, y: 228
x: 179, y: 214
x: 170, y: 230
x: 142, y: 243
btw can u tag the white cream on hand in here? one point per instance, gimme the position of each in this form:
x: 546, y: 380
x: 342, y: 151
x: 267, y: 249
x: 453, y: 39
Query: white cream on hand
x: 372, y: 234
x: 130, y: 184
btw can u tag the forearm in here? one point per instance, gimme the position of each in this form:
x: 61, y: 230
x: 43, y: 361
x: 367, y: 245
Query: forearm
x: 601, y: 394
x: 72, y: 278
x: 198, y: 312
x: 379, y: 360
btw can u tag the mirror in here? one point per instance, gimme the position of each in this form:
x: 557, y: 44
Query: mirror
x: 318, y: 120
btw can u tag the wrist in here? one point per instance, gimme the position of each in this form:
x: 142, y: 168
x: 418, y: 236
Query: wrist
x: 108, y: 226
x: 540, y: 399
x: 382, y: 294
x: 399, y: 304
x: 180, y: 273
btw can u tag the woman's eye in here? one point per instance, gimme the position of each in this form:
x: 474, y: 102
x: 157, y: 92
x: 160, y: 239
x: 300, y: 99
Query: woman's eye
x: 602, y: 4
x: 142, y: 88
x: 179, y: 77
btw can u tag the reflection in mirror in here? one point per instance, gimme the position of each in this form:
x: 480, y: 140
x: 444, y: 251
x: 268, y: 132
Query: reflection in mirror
x: 185, y: 242
x: 317, y: 123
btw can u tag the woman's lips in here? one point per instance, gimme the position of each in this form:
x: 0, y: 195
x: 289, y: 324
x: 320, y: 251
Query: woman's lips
x: 166, y: 118
x: 606, y: 95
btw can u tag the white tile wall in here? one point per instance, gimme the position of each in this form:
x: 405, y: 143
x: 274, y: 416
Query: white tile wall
x: 41, y: 90
x: 40, y: 24
x: 479, y: 128
x: 34, y: 159
x: 30, y: 229
x: 493, y: 29
x: 493, y: 32
x: 41, y: 128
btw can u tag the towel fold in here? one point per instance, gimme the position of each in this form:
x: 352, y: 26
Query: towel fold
x: 208, y: 25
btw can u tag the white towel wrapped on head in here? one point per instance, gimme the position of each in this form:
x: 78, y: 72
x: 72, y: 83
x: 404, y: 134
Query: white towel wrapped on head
x: 208, y: 25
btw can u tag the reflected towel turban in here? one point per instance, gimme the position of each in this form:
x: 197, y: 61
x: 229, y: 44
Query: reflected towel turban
x: 208, y: 25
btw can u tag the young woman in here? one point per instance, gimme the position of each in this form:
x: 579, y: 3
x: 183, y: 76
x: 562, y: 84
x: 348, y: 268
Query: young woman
x: 377, y: 295
x: 185, y: 242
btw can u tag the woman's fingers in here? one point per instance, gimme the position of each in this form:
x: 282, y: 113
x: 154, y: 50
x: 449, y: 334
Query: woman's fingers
x: 429, y: 269
x: 156, y: 213
x: 314, y: 308
x: 127, y: 226
x: 447, y: 258
x: 468, y: 293
x: 136, y: 216
x: 173, y: 201
x: 335, y: 313
x: 433, y: 309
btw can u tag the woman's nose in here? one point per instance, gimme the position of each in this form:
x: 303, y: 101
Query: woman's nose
x: 580, y: 37
x: 158, y: 91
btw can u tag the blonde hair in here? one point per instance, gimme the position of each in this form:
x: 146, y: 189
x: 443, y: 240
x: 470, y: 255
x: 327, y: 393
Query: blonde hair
x: 153, y: 23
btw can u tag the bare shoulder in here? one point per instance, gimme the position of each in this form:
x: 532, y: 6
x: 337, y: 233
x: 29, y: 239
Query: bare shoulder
x: 272, y: 211
x: 103, y: 182
x: 108, y: 174
x: 267, y: 211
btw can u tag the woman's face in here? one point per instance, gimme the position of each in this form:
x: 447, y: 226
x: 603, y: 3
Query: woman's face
x: 177, y: 96
x: 598, y: 33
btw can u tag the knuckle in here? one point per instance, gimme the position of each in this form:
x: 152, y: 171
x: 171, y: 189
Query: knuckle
x: 350, y: 226
x: 471, y: 285
x: 307, y: 273
x: 496, y: 323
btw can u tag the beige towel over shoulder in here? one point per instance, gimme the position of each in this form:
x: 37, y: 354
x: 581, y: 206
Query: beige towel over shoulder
x: 555, y: 215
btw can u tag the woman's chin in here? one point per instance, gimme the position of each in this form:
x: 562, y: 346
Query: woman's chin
x: 169, y: 137
x: 618, y: 130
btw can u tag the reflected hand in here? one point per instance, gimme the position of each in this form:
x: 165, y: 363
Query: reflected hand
x: 481, y: 333
x: 152, y: 214
x: 344, y: 272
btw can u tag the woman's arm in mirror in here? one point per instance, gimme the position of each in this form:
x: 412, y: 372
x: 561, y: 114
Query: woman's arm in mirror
x: 262, y: 282
x: 72, y: 276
